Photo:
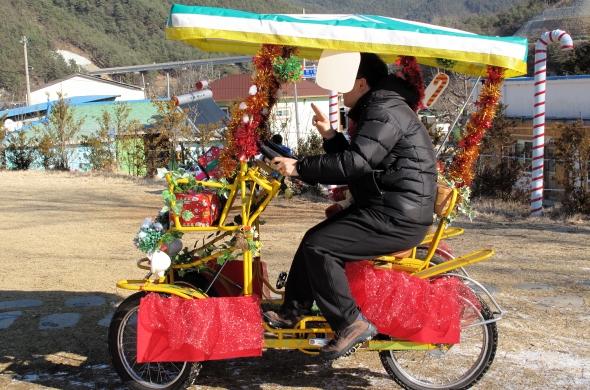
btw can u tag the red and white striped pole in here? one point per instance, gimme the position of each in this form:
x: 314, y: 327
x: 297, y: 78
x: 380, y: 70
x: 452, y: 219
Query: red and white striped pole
x: 334, y: 110
x: 539, y: 112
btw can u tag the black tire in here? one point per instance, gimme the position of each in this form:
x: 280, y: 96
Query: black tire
x: 436, y: 259
x: 458, y: 366
x: 196, y: 281
x: 122, y: 340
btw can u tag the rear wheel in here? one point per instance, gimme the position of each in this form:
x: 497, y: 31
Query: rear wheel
x: 437, y: 258
x: 122, y: 341
x: 450, y: 366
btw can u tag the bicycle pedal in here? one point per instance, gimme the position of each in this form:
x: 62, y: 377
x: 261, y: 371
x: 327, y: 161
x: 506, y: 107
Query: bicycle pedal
x: 318, y: 342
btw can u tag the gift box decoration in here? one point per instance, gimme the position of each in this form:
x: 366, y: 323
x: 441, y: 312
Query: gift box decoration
x: 210, y: 162
x: 234, y: 271
x: 337, y: 193
x: 205, y: 207
x: 198, y: 172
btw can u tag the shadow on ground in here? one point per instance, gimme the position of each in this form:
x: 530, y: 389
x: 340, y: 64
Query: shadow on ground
x: 76, y: 357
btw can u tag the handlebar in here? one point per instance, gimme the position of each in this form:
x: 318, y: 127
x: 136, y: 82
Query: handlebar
x: 271, y: 150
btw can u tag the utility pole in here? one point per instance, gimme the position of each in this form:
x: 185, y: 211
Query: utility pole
x: 24, y: 40
x: 297, y: 104
x: 168, y: 83
x: 296, y: 112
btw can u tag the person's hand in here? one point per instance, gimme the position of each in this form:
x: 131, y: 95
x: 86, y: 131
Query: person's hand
x: 285, y: 166
x: 322, y: 123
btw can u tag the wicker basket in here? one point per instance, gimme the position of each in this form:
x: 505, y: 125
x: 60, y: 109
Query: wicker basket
x: 444, y: 194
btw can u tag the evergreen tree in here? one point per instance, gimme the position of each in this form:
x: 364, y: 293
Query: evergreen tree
x: 572, y: 152
x: 59, y: 132
x: 497, y: 168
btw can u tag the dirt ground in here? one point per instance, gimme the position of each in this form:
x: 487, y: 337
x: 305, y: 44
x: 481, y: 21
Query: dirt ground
x: 69, y: 235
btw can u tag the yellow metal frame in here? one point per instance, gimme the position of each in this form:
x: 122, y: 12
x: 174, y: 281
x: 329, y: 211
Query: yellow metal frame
x: 256, y: 186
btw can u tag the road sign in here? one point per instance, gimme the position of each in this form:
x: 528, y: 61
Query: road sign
x: 309, y: 73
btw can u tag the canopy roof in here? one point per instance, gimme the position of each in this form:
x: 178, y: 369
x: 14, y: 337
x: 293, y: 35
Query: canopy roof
x: 231, y: 31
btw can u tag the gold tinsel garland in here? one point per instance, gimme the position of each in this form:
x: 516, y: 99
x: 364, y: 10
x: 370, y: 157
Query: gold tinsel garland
x: 461, y: 170
x: 248, y: 123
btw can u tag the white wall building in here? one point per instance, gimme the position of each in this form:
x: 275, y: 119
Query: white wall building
x: 566, y: 97
x: 284, y: 117
x: 287, y: 113
x: 85, y: 85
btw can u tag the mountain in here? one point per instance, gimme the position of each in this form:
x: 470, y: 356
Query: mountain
x: 109, y: 33
x: 419, y: 10
x: 131, y: 32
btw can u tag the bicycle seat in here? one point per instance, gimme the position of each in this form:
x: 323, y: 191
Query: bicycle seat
x: 401, y: 254
x: 387, y: 262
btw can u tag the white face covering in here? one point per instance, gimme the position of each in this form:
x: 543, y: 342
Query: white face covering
x: 337, y: 70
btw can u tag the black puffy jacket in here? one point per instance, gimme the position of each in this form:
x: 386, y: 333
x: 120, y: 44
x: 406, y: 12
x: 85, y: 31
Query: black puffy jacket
x: 389, y: 165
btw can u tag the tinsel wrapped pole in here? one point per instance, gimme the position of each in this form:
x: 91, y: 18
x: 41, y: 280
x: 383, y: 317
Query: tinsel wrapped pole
x: 248, y: 124
x: 461, y: 170
x: 539, y: 113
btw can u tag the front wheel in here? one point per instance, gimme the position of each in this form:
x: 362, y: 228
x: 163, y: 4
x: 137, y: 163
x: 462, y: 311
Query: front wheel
x: 457, y: 366
x: 122, y: 341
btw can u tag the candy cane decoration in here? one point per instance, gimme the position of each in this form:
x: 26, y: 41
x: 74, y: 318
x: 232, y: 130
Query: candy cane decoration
x: 435, y: 89
x: 334, y: 110
x: 539, y: 112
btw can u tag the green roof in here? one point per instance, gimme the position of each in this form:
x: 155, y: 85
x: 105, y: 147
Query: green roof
x: 143, y: 111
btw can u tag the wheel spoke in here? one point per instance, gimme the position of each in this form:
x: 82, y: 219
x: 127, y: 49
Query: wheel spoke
x: 153, y: 375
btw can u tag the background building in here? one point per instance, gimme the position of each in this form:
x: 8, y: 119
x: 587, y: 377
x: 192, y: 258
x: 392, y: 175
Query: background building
x: 287, y: 114
x: 566, y: 100
x: 84, y: 85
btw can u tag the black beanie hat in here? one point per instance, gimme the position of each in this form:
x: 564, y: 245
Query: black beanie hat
x: 372, y: 68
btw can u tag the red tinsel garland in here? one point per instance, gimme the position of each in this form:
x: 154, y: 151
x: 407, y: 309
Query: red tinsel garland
x: 461, y: 170
x: 248, y: 123
x: 412, y: 73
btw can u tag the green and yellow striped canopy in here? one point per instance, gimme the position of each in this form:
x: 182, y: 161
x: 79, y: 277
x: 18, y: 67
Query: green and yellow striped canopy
x: 231, y: 31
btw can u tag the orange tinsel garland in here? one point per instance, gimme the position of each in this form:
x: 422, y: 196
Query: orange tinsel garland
x: 248, y: 123
x: 461, y: 170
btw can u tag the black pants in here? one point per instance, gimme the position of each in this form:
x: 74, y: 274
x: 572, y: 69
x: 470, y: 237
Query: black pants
x: 317, y: 271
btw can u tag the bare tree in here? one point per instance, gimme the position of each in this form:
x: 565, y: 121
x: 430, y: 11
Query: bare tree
x: 3, y: 134
x: 162, y: 137
x: 131, y: 148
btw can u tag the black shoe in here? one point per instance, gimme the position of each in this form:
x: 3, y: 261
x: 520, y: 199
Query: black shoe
x: 285, y: 319
x: 347, y: 340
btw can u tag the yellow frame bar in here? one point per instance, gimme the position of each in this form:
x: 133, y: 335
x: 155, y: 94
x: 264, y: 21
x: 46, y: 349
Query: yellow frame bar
x: 245, y: 184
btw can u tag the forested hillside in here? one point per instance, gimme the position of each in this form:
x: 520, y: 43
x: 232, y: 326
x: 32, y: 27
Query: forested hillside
x: 111, y: 33
x: 420, y: 10
x: 126, y: 32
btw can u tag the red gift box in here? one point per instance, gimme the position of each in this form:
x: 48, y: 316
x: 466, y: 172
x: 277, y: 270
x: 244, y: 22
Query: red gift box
x: 205, y: 207
x: 198, y: 172
x: 210, y: 162
x: 194, y: 330
x: 234, y: 271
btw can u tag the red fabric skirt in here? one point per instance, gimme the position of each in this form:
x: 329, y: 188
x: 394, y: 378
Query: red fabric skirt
x: 410, y: 308
x: 194, y: 330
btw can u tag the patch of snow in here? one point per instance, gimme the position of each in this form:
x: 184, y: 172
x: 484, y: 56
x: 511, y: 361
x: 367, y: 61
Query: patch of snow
x: 78, y: 59
x: 558, y: 360
x: 99, y: 367
x: 87, y: 384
